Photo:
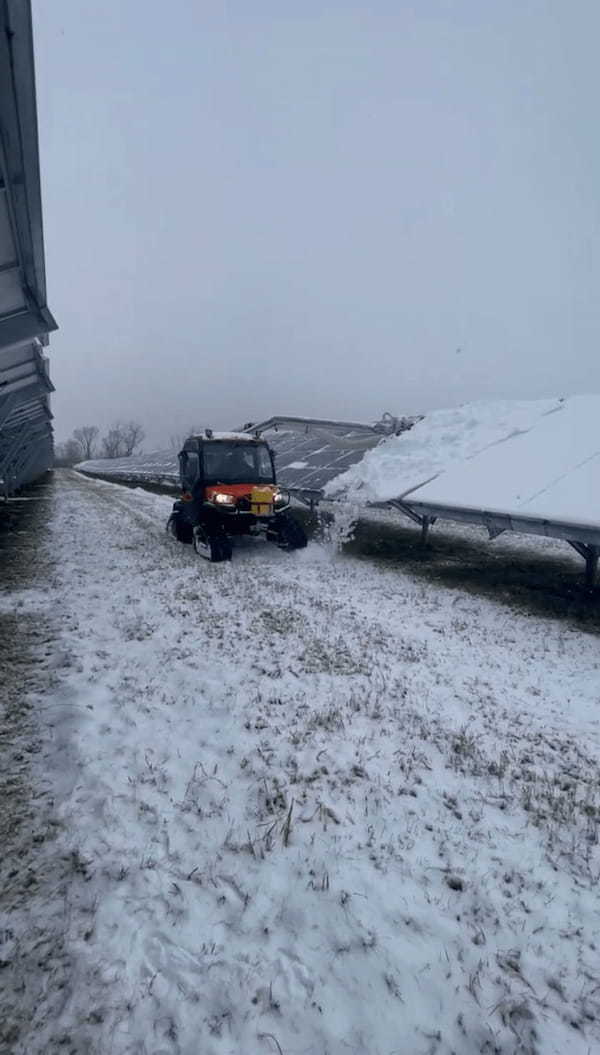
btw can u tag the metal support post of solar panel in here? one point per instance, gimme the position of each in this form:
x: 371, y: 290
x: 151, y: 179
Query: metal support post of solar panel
x: 26, y: 449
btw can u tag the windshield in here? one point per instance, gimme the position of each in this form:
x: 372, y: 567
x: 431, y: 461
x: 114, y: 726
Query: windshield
x: 237, y: 463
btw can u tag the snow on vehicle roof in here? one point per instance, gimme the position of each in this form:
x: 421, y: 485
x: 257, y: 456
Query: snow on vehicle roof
x: 442, y: 438
x: 551, y: 471
x: 245, y: 437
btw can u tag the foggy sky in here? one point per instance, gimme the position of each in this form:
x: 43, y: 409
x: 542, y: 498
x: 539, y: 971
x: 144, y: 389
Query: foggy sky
x: 322, y: 208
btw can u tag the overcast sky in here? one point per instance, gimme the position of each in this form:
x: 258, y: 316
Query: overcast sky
x: 321, y: 208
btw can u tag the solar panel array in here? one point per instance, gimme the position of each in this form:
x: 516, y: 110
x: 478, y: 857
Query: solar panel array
x: 311, y: 452
x: 25, y: 416
x: 157, y: 467
x: 308, y: 453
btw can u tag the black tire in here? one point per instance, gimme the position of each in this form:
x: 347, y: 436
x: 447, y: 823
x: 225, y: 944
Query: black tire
x: 179, y: 528
x: 224, y: 549
x: 215, y: 548
x: 288, y: 533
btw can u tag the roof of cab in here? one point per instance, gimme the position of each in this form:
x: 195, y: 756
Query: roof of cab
x: 209, y: 435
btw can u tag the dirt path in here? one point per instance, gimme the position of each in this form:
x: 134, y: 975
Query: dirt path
x: 34, y: 964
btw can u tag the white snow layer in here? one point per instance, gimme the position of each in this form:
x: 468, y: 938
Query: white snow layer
x: 442, y: 438
x: 313, y: 805
x: 552, y: 471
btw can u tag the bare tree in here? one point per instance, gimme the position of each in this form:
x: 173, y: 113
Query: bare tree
x: 112, y: 443
x: 67, y: 453
x: 122, y: 439
x: 132, y: 435
x: 86, y: 436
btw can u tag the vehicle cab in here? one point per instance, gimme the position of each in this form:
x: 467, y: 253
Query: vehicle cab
x: 234, y: 472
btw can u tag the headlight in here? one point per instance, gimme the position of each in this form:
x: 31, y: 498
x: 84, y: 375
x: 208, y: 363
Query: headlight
x: 281, y: 498
x: 222, y: 499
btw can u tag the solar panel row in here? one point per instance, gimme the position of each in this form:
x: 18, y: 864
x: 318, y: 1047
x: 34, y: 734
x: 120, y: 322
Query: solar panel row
x: 308, y: 454
x: 25, y: 415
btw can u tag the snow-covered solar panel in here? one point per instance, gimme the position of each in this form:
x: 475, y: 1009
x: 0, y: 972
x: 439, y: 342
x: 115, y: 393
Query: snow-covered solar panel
x: 550, y: 472
x: 544, y: 481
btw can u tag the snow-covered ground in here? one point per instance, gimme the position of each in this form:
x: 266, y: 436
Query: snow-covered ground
x: 310, y: 805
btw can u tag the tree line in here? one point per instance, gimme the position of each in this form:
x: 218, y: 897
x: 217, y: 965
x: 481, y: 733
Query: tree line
x: 121, y: 441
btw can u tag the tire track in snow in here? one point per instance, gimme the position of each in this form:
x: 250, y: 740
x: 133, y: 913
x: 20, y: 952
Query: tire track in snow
x: 294, y: 817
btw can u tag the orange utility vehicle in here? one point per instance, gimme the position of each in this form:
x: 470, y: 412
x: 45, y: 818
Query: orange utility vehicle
x: 229, y: 488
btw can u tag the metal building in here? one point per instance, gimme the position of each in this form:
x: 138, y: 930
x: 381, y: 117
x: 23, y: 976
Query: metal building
x: 25, y: 418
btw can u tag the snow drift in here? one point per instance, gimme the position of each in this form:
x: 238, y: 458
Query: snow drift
x: 551, y: 472
x: 441, y: 439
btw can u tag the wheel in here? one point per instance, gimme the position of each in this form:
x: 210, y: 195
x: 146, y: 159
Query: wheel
x: 288, y: 533
x: 179, y: 528
x: 214, y: 548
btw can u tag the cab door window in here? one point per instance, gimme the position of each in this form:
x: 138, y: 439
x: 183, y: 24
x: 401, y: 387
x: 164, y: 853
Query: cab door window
x: 190, y: 467
x: 265, y: 467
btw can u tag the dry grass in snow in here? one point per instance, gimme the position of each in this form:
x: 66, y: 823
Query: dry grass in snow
x: 312, y: 805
